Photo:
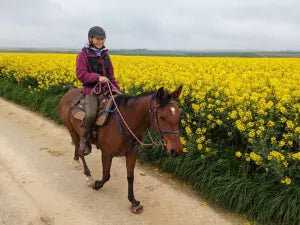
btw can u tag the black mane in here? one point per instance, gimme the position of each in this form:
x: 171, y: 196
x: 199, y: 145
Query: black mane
x: 122, y: 100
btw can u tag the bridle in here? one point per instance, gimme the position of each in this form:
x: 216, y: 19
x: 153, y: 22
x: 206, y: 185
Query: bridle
x: 154, y: 117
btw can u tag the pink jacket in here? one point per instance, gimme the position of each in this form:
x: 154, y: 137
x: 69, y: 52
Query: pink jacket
x: 89, y: 78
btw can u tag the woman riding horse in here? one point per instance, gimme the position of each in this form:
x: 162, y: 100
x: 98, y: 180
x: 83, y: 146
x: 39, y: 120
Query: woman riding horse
x: 93, y: 65
x: 128, y: 123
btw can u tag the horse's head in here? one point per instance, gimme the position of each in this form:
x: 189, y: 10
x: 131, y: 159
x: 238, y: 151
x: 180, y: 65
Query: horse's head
x: 165, y: 117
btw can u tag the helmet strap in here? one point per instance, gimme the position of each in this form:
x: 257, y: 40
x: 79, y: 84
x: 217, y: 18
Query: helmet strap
x: 91, y: 44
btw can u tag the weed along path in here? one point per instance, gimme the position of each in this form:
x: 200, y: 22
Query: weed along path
x: 41, y: 184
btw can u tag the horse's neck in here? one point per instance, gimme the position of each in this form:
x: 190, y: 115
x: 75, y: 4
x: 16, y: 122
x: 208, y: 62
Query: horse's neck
x: 139, y: 111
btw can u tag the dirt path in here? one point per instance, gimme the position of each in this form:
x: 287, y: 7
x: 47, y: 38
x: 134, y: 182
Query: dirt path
x: 41, y: 184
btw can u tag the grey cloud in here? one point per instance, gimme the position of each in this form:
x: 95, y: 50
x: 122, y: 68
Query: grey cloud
x: 156, y: 24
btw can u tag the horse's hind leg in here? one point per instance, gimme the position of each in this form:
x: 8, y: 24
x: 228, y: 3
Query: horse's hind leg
x: 75, y: 139
x: 89, y: 179
x: 87, y: 171
x: 76, y: 155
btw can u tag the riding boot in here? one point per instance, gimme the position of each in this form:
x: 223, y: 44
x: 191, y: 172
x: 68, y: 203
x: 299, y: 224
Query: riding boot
x: 85, y: 146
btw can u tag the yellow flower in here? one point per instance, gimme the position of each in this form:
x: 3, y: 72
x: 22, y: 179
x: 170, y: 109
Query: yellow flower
x: 282, y: 119
x: 219, y: 122
x: 286, y: 181
x: 285, y: 164
x: 275, y: 155
x: 240, y: 126
x: 182, y: 140
x: 220, y: 110
x: 289, y: 124
x: 188, y: 131
x: 196, y: 107
x: 210, y: 117
x: 250, y: 124
x: 281, y: 143
x: 270, y: 123
x: 261, y: 121
x: 184, y: 150
x: 251, y: 134
x: 233, y: 114
x: 247, y: 157
x: 200, y: 139
x: 273, y: 140
x: 296, y: 156
x: 200, y: 146
x: 198, y: 131
x: 256, y: 158
x: 282, y: 109
x: 183, y: 122
x: 238, y: 154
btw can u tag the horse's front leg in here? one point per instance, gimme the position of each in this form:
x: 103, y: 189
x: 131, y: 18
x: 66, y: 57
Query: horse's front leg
x: 130, y: 163
x: 106, y: 164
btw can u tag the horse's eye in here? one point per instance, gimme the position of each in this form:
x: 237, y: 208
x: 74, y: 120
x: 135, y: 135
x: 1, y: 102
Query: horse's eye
x: 162, y: 117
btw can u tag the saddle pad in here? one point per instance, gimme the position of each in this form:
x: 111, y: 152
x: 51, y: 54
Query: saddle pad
x: 78, y: 109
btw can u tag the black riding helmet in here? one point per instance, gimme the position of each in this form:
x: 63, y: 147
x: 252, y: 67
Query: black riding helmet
x: 96, y: 31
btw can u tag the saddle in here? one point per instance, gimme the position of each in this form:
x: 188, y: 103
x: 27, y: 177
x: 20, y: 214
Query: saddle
x: 105, y: 103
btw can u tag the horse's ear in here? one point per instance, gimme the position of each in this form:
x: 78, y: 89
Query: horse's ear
x: 176, y: 93
x: 160, y: 93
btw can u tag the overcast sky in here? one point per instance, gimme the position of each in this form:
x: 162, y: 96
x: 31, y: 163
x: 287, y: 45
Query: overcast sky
x: 155, y: 24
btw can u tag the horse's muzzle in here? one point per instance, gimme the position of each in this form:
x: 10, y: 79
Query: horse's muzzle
x: 174, y: 153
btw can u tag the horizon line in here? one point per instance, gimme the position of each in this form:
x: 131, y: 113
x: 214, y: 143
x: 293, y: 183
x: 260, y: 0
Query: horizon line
x: 149, y: 49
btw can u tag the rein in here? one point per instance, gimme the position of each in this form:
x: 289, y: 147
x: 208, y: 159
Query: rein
x: 94, y: 89
x: 152, y: 115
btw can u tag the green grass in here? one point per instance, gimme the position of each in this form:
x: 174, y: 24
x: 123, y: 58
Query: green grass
x: 220, y: 180
x: 45, y: 103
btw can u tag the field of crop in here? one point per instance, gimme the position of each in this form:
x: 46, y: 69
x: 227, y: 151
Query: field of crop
x: 242, y: 112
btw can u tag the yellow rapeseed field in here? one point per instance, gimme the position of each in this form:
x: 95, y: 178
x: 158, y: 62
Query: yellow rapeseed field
x: 254, y: 101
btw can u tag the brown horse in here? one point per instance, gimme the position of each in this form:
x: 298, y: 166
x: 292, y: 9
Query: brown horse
x: 157, y: 109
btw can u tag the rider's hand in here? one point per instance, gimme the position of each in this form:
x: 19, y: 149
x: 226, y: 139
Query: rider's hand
x: 103, y: 79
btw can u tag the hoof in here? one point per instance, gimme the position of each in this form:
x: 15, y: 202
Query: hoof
x: 136, y: 209
x: 90, y: 182
x: 78, y: 165
x: 97, y: 185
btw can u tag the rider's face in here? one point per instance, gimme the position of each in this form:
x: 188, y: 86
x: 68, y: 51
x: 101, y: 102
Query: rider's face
x: 98, y: 42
